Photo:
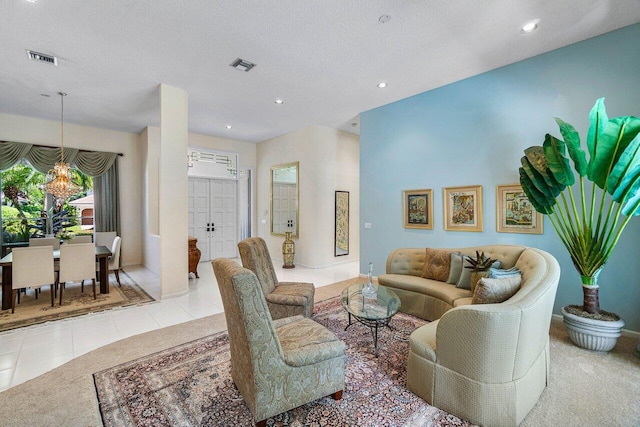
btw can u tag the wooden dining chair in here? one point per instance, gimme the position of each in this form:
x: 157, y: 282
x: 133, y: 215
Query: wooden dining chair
x: 77, y: 262
x: 32, y: 267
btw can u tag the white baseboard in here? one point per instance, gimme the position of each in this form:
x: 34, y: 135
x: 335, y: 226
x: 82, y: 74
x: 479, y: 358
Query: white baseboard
x: 625, y: 332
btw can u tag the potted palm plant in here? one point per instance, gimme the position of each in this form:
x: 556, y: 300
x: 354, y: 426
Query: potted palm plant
x: 589, y: 219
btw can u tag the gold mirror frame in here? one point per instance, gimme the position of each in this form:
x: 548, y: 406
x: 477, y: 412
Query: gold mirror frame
x: 289, y: 221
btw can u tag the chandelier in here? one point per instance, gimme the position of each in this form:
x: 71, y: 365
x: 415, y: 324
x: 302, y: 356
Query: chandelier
x: 59, y: 182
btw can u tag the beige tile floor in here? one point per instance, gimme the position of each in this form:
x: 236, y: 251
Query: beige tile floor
x: 28, y: 352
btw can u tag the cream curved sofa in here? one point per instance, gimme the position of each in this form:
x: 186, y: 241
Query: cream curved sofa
x: 485, y: 363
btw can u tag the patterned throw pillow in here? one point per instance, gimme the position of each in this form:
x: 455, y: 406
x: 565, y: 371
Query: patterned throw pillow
x: 493, y: 291
x: 436, y: 264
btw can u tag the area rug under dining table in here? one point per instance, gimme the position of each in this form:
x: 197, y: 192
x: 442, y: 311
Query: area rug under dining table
x: 32, y: 311
x: 191, y: 385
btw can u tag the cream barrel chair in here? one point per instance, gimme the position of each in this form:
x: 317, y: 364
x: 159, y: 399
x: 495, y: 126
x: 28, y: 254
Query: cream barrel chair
x: 489, y: 363
x: 280, y: 364
x: 283, y: 298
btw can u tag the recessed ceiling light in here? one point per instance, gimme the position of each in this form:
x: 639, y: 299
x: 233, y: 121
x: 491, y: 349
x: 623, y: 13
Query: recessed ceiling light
x: 32, y: 1
x: 279, y: 101
x: 384, y: 19
x: 530, y: 26
x: 229, y: 126
x: 382, y: 85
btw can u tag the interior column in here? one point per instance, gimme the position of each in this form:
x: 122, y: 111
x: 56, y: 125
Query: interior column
x: 172, y: 203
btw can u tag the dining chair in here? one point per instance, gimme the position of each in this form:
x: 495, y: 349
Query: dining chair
x: 81, y: 239
x: 32, y: 267
x: 104, y: 238
x: 45, y: 241
x: 77, y: 262
x: 114, y: 259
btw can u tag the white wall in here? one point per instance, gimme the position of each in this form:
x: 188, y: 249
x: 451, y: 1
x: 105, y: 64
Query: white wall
x: 46, y: 132
x: 328, y: 162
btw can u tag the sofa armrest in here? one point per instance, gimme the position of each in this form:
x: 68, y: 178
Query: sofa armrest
x: 480, y: 341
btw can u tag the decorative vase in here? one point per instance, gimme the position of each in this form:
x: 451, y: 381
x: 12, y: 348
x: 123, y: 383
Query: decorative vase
x: 592, y: 334
x: 288, y: 250
x: 194, y: 256
x: 369, y: 290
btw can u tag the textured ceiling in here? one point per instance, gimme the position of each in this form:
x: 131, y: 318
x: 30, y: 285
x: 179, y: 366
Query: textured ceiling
x: 323, y: 58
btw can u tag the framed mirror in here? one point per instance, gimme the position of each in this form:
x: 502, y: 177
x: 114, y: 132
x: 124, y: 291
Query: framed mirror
x: 284, y: 198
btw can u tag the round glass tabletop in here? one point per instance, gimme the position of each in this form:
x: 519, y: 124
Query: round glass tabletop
x: 383, y: 306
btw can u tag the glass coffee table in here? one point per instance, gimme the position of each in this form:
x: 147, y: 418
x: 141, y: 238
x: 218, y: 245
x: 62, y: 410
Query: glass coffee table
x: 371, y: 312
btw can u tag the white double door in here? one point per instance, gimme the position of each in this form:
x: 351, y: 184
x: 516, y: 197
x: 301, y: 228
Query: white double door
x: 213, y: 217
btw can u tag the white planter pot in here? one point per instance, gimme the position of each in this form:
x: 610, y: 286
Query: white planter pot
x: 591, y: 334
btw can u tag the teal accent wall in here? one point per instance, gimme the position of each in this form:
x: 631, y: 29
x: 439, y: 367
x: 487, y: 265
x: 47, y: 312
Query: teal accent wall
x: 473, y: 132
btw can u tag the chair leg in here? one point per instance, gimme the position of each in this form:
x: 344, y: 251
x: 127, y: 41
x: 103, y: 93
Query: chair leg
x: 13, y: 300
x: 35, y: 291
x: 82, y: 286
x: 117, y: 276
x: 262, y: 423
x: 53, y: 287
x: 14, y: 297
x: 61, y: 289
x: 93, y: 282
x: 337, y: 395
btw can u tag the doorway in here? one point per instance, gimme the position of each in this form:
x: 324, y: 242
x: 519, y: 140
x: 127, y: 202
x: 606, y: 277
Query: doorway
x: 213, y: 216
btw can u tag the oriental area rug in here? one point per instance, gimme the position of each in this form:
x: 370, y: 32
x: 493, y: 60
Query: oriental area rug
x: 32, y: 311
x: 191, y: 385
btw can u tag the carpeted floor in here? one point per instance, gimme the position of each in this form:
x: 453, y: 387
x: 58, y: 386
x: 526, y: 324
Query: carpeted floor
x: 191, y: 385
x: 585, y: 388
x: 32, y: 311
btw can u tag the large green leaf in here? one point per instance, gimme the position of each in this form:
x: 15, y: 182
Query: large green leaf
x: 624, y: 179
x: 617, y: 135
x: 632, y: 207
x: 536, y: 178
x: 537, y: 199
x: 572, y: 139
x: 598, y: 119
x: 537, y: 159
x: 554, y: 150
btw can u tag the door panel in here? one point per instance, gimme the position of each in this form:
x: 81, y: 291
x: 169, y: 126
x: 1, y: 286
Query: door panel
x: 213, y: 217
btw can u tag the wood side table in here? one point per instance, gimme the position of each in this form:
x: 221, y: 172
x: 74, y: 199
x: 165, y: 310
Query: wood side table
x: 194, y: 256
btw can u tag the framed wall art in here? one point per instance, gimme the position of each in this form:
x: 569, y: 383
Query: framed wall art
x: 463, y: 208
x: 342, y: 224
x: 418, y: 209
x: 514, y: 211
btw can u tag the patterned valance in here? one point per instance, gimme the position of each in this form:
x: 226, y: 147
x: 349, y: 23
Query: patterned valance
x: 92, y: 163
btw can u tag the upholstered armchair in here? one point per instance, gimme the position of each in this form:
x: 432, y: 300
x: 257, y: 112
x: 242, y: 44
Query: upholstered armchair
x: 284, y: 299
x: 276, y: 365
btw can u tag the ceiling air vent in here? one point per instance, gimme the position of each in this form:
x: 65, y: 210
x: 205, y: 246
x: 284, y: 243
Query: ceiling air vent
x: 242, y: 65
x: 41, y: 57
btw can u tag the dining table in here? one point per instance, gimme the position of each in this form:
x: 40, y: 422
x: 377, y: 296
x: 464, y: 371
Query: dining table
x: 102, y: 258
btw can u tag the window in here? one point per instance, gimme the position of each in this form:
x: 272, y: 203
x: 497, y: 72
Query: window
x: 27, y: 211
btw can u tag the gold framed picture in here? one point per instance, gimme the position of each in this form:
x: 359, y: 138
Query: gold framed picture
x: 514, y: 211
x: 463, y: 208
x: 418, y: 209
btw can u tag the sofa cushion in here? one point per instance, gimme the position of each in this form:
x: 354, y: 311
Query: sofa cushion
x: 433, y: 288
x: 492, y: 291
x: 436, y: 264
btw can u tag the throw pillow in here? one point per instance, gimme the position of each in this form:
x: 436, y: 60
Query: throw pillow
x: 456, y: 268
x: 493, y: 291
x: 436, y: 264
x: 465, y: 277
x: 495, y: 273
